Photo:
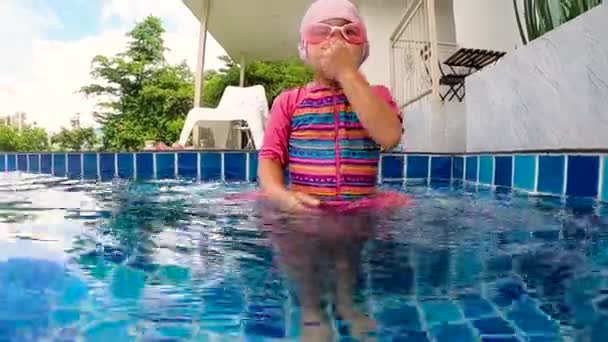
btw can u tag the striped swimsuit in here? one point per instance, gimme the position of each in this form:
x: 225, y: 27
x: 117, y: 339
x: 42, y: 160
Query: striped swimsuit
x: 330, y: 154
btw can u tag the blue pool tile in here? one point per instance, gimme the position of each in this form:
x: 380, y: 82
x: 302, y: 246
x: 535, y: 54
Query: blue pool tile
x: 504, y: 292
x: 65, y: 317
x: 235, y: 167
x: 417, y: 167
x: 398, y: 316
x: 127, y: 283
x: 392, y: 271
x: 530, y: 320
x: 392, y: 167
x: 265, y: 321
x: 471, y: 166
x: 475, y: 306
x: 108, y: 331
x: 432, y: 271
x: 599, y: 331
x: 498, y: 266
x: 493, y: 326
x: 74, y: 166
x: 605, y: 179
x: 439, y: 312
x: 458, y: 168
x: 45, y: 164
x: 59, y: 164
x: 404, y: 335
x: 486, y: 169
x: 224, y: 299
x: 90, y: 166
x: 107, y: 166
x: 165, y: 165
x: 551, y: 174
x: 22, y: 162
x: 468, y: 268
x: 453, y: 333
x: 144, y: 165
x: 11, y: 162
x: 34, y: 163
x: 504, y: 171
x: 502, y: 339
x: 253, y: 166
x: 211, y: 166
x: 583, y: 176
x: 125, y: 165
x: 525, y: 172
x: 186, y: 165
x: 441, y: 168
x: 2, y: 162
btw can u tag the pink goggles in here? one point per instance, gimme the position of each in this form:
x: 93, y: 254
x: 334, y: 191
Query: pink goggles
x: 353, y: 33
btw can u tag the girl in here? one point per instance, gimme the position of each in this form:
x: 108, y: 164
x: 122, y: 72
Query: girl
x: 331, y: 131
x: 329, y: 135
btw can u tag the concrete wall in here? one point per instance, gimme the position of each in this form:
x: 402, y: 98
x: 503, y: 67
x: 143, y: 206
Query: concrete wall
x: 551, y: 94
x: 434, y: 126
x: 486, y: 24
x: 446, y: 31
x: 382, y: 17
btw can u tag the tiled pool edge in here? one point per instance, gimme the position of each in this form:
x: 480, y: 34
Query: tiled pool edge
x: 553, y: 174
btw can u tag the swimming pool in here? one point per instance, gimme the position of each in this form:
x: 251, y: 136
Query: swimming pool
x: 171, y: 260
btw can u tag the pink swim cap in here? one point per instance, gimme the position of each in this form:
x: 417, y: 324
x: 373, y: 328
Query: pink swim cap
x: 322, y: 10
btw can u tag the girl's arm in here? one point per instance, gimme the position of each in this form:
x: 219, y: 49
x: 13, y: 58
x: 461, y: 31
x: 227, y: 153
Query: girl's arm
x: 376, y: 115
x: 270, y: 173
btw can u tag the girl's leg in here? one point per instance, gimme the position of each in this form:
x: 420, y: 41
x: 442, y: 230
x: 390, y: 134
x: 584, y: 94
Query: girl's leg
x: 347, y: 258
x: 299, y: 254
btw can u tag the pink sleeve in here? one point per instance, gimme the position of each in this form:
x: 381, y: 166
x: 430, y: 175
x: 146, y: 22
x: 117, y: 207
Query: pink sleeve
x: 276, y: 134
x: 385, y: 94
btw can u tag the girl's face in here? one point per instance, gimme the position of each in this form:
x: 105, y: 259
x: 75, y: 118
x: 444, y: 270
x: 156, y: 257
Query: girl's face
x: 319, y: 37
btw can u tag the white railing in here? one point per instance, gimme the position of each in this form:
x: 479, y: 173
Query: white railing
x: 415, y: 53
x: 410, y: 77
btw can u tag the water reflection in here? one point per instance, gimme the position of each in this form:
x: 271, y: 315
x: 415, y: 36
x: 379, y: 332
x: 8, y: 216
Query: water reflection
x: 322, y: 257
x: 164, y: 260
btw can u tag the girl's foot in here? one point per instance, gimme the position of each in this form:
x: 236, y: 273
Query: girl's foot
x: 315, y: 328
x: 361, y: 327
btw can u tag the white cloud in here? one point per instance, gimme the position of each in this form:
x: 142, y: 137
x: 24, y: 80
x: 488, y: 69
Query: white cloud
x: 47, y: 74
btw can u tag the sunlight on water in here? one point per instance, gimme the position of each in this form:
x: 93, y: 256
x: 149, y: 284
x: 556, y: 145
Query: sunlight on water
x: 122, y: 261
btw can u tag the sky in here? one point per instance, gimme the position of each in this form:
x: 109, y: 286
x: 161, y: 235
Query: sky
x: 48, y: 45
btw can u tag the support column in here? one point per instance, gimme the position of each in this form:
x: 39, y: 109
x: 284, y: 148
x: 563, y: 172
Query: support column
x: 435, y: 59
x: 243, y: 66
x: 200, y: 67
x: 200, y: 63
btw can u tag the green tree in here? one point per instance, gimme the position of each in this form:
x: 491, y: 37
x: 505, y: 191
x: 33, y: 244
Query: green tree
x: 274, y: 76
x: 8, y: 138
x: 141, y: 97
x: 33, y: 139
x: 542, y: 16
x: 77, y: 139
x: 29, y: 139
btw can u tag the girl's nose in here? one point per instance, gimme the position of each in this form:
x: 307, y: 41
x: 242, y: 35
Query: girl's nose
x: 336, y: 35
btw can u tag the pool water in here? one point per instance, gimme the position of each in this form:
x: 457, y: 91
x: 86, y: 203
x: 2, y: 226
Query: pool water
x: 172, y: 261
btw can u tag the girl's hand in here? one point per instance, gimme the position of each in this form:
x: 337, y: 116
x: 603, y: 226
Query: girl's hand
x: 338, y: 60
x: 296, y: 202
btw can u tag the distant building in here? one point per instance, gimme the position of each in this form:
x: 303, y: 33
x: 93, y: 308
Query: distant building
x: 75, y: 121
x: 16, y: 120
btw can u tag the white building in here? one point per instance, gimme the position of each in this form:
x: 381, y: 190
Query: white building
x: 16, y: 120
x: 398, y: 31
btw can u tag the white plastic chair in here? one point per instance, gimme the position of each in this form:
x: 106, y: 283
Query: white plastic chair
x: 238, y: 103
